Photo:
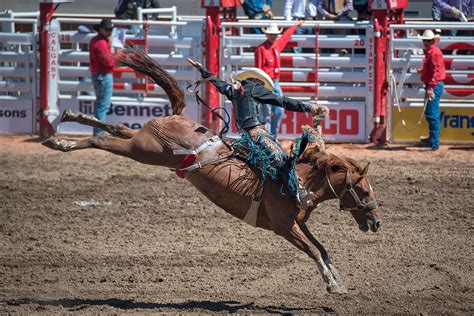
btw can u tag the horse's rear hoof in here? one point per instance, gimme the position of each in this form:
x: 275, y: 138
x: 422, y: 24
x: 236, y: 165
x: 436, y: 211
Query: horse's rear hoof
x: 67, y: 116
x: 51, y: 143
x: 336, y: 289
x: 62, y: 145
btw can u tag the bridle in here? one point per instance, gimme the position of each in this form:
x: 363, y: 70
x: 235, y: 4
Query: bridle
x: 348, y: 188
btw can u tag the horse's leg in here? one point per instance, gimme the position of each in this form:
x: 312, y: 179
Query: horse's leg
x: 296, y: 236
x: 326, y: 258
x: 115, y: 129
x: 111, y: 144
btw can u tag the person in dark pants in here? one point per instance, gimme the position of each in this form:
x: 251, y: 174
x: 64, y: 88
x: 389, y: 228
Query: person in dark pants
x: 257, y: 10
x: 248, y: 92
x: 432, y: 74
x: 455, y: 11
x: 102, y: 65
x: 127, y: 9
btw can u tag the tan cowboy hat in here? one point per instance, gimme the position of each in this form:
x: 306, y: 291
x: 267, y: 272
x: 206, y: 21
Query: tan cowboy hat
x: 272, y: 29
x: 427, y: 35
x: 256, y: 73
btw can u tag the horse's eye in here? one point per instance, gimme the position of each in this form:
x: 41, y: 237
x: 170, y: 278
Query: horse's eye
x: 365, y: 194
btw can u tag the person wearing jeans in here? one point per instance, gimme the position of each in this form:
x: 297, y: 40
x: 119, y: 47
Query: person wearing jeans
x: 276, y: 112
x: 102, y: 65
x: 433, y: 117
x: 432, y: 74
x: 103, y: 83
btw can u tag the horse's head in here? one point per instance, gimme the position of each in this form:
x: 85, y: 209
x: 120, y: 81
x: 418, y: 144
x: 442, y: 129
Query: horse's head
x: 344, y: 179
x: 355, y: 194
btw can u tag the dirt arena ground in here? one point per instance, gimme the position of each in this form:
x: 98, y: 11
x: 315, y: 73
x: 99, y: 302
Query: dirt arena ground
x: 157, y: 245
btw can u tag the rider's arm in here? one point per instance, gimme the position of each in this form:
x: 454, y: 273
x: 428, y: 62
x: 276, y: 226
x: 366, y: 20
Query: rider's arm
x: 265, y: 96
x: 222, y: 86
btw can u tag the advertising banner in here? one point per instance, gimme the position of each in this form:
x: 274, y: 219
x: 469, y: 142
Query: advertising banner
x: 16, y: 117
x: 457, y: 124
x: 346, y: 123
x: 132, y: 114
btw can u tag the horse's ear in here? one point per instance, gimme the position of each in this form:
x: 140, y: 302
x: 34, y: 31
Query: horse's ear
x: 366, y: 169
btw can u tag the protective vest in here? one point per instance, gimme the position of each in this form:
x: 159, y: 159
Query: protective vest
x: 247, y: 108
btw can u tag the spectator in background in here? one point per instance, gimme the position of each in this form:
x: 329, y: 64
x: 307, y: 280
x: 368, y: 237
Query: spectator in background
x: 267, y: 58
x: 257, y: 10
x: 432, y: 75
x: 435, y: 11
x: 362, y: 9
x: 127, y: 9
x: 455, y: 10
x: 102, y: 65
x: 300, y: 10
x: 337, y: 10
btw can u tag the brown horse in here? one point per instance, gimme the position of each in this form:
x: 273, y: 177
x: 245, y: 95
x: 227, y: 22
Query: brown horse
x: 226, y: 179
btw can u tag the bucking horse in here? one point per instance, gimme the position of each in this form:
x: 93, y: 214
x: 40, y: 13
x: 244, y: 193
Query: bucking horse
x: 226, y: 178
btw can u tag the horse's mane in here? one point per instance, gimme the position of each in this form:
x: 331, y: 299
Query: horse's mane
x: 141, y: 62
x: 328, y: 163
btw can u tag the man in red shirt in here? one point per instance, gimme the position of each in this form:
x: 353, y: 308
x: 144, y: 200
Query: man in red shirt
x: 432, y: 74
x: 267, y: 58
x: 102, y: 65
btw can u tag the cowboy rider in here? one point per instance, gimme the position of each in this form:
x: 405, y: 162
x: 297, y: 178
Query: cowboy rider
x: 249, y: 90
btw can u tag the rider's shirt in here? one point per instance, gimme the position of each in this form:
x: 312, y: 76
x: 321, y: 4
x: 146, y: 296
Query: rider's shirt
x: 247, y: 102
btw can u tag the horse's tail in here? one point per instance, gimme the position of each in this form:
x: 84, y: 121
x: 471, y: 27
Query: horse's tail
x: 141, y: 62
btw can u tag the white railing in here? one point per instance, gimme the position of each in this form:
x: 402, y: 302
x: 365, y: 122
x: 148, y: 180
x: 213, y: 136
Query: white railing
x: 344, y: 82
x: 18, y: 75
x: 169, y: 48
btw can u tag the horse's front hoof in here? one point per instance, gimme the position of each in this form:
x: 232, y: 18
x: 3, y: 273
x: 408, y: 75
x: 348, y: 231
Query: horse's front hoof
x: 336, y: 289
x: 68, y: 116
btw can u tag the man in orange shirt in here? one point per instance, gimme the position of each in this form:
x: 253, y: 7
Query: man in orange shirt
x: 267, y: 58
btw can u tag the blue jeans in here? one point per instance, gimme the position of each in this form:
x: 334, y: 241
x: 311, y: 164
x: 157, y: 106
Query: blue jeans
x: 432, y: 115
x: 103, y: 92
x: 273, y: 115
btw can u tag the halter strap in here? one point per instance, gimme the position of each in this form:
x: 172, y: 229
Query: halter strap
x: 348, y: 188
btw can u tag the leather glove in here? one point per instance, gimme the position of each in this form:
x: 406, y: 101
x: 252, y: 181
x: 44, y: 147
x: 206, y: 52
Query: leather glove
x: 456, y: 12
x: 194, y: 63
x: 318, y: 110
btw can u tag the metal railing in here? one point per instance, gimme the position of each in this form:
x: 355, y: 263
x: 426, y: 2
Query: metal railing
x: 343, y: 80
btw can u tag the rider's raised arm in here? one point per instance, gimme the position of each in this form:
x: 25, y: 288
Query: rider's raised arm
x: 222, y: 86
x: 266, y: 96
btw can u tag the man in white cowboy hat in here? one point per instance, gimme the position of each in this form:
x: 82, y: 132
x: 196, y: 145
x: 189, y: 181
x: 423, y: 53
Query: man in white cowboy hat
x: 249, y: 90
x: 102, y: 64
x: 432, y: 74
x: 267, y: 58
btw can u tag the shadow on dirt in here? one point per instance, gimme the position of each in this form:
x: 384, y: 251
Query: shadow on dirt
x: 391, y: 148
x: 209, y: 306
